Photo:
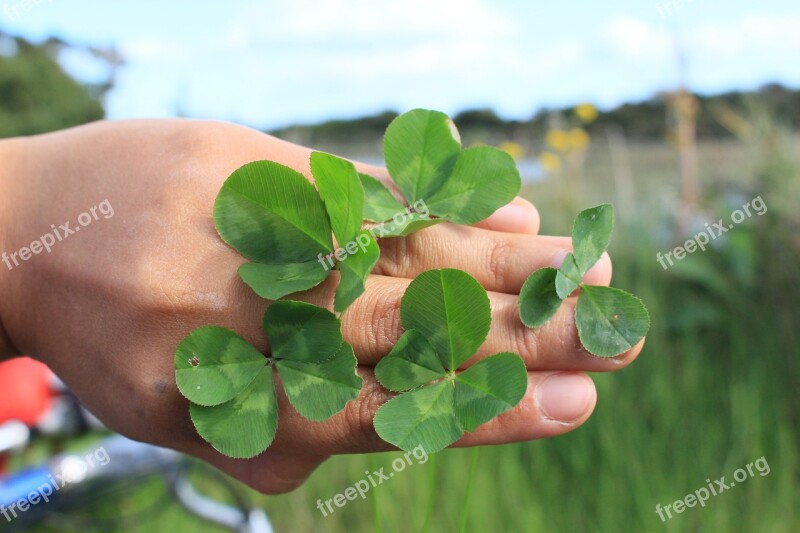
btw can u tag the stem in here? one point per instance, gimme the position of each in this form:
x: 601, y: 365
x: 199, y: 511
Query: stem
x: 431, y: 494
x: 473, y: 463
x: 376, y: 513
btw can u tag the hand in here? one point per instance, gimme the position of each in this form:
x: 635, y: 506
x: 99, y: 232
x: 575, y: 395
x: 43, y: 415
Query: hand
x: 107, y: 307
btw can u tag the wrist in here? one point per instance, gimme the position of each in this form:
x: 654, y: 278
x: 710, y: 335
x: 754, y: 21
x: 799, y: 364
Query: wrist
x: 7, y: 165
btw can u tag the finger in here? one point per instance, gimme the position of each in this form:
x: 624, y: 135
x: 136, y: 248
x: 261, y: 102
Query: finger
x: 554, y: 403
x: 372, y: 325
x: 519, y: 216
x: 501, y: 262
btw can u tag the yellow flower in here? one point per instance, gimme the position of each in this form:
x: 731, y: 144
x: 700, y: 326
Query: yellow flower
x: 578, y: 139
x: 513, y: 149
x: 586, y: 112
x: 558, y: 140
x: 550, y: 162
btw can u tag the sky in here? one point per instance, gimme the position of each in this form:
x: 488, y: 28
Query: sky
x: 269, y: 64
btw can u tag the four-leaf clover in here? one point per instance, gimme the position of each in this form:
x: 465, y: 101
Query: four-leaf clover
x: 231, y: 384
x: 446, y: 317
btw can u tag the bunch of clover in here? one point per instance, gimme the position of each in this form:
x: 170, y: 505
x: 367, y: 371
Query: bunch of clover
x: 283, y: 225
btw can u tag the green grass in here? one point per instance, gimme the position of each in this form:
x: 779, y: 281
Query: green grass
x: 715, y: 388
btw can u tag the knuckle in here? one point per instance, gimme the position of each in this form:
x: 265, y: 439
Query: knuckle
x: 397, y: 256
x: 498, y: 258
x: 377, y: 320
x: 358, y: 416
x: 526, y: 341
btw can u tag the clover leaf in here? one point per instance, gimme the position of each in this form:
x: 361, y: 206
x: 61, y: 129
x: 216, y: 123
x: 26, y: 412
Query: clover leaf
x: 483, y: 180
x: 213, y: 364
x: 406, y: 225
x: 355, y: 270
x: 591, y: 235
x: 451, y: 310
x: 423, y: 154
x: 446, y: 316
x: 231, y: 386
x: 569, y: 277
x: 275, y: 217
x: 272, y: 215
x: 379, y: 203
x: 340, y: 188
x: 539, y: 299
x: 610, y: 321
x: 273, y: 282
x: 245, y: 426
x: 421, y: 149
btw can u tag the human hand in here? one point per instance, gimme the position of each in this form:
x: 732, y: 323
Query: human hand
x: 107, y: 307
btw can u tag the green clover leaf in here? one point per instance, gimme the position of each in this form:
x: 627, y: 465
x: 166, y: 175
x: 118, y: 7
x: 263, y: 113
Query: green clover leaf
x: 232, y: 385
x: 273, y: 216
x: 423, y: 154
x: 609, y: 321
x: 446, y: 317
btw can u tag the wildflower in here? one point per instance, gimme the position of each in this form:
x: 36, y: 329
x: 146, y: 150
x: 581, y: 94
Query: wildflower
x: 550, y: 162
x: 558, y: 140
x: 586, y: 112
x: 513, y: 149
x: 578, y: 139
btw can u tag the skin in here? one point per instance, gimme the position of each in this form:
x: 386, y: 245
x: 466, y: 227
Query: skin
x: 108, y: 307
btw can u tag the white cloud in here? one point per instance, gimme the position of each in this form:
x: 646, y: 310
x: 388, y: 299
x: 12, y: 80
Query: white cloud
x: 148, y: 48
x: 636, y: 39
x: 765, y: 35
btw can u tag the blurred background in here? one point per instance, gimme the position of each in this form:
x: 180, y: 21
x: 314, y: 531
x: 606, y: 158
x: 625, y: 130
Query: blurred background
x: 677, y: 112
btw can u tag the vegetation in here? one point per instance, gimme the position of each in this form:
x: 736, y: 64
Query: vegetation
x: 647, y: 120
x: 37, y: 95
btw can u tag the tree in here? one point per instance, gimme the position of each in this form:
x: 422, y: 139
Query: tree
x: 37, y: 95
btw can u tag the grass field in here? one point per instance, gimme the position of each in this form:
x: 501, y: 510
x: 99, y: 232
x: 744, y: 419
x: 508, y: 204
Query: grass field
x: 716, y: 387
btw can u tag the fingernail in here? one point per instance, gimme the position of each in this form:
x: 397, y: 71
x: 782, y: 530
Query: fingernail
x: 514, y: 217
x: 565, y: 397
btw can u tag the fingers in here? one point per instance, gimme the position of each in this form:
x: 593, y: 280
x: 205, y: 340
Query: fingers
x: 519, y: 216
x: 555, y: 403
x: 372, y: 325
x: 501, y: 262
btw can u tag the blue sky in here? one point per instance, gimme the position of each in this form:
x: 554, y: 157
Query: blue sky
x: 272, y: 63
